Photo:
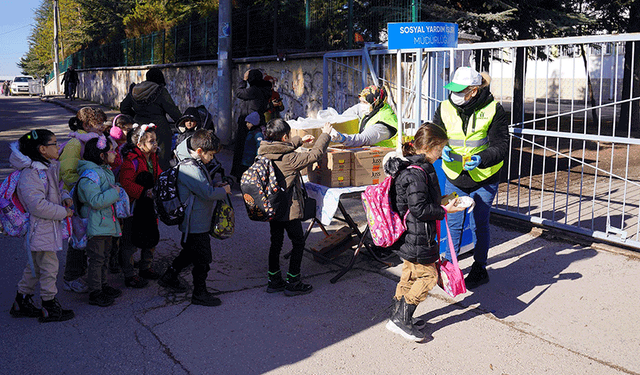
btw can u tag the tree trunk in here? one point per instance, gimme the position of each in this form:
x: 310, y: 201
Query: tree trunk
x: 517, y: 109
x: 630, y: 111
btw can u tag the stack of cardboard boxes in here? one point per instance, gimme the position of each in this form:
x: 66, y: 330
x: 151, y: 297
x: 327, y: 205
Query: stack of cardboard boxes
x: 341, y: 167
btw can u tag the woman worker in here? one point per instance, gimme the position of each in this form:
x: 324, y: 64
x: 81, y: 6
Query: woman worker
x: 478, y: 131
x: 379, y: 127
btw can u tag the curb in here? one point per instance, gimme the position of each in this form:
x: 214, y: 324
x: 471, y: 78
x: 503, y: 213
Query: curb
x: 68, y: 106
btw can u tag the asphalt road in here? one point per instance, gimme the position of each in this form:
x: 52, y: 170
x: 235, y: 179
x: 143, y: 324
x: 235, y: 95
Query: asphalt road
x: 552, y: 307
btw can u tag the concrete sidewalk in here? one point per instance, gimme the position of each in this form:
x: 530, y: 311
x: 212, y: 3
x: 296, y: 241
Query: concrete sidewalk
x: 551, y: 306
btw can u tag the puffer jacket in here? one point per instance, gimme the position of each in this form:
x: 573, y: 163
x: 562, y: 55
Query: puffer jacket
x: 149, y: 102
x: 98, y: 200
x: 42, y: 199
x: 288, y: 164
x: 194, y: 181
x: 134, y: 163
x: 418, y: 192
x: 70, y: 156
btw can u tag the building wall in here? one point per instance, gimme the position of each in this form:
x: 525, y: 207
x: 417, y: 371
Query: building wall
x: 299, y: 84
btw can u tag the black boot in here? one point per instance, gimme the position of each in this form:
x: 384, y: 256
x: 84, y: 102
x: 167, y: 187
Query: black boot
x: 477, y: 276
x: 276, y: 283
x: 295, y: 287
x: 401, y: 322
x: 53, y: 312
x: 418, y: 323
x: 170, y: 280
x: 201, y: 296
x: 23, y: 307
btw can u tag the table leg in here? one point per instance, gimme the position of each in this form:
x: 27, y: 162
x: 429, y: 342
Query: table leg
x: 346, y: 268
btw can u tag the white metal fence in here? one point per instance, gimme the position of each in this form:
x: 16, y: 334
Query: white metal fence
x: 573, y: 164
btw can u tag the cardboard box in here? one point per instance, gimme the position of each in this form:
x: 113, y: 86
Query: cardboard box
x: 337, y: 178
x: 302, y: 132
x: 364, y: 177
x: 369, y: 158
x: 336, y: 159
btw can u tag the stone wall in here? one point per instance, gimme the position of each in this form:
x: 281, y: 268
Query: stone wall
x: 193, y: 84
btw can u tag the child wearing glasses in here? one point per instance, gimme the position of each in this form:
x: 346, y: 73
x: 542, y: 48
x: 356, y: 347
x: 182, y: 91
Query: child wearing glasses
x: 35, y: 155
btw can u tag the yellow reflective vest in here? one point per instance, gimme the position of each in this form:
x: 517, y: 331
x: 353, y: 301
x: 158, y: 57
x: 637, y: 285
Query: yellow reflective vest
x: 386, y: 116
x: 465, y: 145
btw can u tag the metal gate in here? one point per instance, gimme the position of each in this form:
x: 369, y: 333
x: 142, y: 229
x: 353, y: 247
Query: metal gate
x: 574, y: 158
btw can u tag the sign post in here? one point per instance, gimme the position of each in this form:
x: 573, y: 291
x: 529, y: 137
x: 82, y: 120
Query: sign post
x: 420, y: 36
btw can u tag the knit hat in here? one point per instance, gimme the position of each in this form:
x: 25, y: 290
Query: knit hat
x: 464, y: 77
x: 253, y: 118
x: 116, y: 133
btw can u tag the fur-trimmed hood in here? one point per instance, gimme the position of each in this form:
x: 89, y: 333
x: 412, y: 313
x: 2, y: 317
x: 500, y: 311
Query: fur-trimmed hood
x: 20, y: 161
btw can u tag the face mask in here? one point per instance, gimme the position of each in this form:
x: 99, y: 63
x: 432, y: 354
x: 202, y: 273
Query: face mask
x: 457, y: 98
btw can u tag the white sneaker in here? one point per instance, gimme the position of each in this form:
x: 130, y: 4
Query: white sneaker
x: 78, y: 286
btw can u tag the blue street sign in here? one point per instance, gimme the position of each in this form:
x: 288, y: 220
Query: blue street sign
x: 406, y: 35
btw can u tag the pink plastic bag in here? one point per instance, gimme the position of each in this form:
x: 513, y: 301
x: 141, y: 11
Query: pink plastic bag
x: 450, y: 277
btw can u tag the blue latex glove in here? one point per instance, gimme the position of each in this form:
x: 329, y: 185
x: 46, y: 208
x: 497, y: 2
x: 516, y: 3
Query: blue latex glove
x: 445, y: 153
x: 474, y: 162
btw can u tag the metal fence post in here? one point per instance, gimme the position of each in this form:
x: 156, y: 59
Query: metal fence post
x: 307, y: 25
x: 350, y: 35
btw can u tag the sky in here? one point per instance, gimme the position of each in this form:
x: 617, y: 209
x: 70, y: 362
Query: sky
x: 16, y: 17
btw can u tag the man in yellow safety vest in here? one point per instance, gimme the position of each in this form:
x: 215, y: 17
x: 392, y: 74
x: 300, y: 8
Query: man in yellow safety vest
x: 478, y: 131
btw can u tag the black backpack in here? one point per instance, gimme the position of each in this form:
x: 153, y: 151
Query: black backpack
x: 261, y: 192
x: 170, y: 209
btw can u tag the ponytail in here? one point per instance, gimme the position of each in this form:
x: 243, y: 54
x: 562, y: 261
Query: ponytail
x: 427, y: 136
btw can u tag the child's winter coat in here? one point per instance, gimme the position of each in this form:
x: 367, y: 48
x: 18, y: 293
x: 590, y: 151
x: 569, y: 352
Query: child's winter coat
x: 134, y: 163
x: 290, y: 163
x: 419, y: 192
x: 42, y: 198
x: 97, y: 200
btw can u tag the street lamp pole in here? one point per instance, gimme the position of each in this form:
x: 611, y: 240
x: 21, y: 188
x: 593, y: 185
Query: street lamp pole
x: 56, y: 69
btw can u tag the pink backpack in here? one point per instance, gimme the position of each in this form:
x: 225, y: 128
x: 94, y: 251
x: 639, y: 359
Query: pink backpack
x: 385, y: 224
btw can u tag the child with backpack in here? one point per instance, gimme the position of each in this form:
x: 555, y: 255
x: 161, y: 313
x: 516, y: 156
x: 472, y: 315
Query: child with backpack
x: 188, y: 124
x: 200, y: 193
x: 280, y: 148
x: 38, y: 189
x: 87, y: 124
x: 252, y: 142
x: 121, y: 126
x: 416, y: 190
x: 96, y: 194
x: 138, y: 174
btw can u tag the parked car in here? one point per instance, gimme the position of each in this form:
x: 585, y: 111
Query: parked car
x: 20, y: 85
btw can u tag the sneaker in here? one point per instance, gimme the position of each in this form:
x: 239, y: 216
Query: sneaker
x: 78, y: 286
x: 135, y: 282
x: 149, y: 274
x: 476, y: 277
x: 204, y: 298
x: 23, y: 307
x: 276, y: 283
x: 111, y: 291
x: 99, y: 298
x: 297, y: 288
x: 53, y: 312
x: 170, y: 280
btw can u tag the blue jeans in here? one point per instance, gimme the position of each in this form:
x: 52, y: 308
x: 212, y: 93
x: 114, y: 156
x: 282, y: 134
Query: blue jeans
x: 483, y: 197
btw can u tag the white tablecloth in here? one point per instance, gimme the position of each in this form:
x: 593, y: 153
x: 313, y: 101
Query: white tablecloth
x: 327, y: 199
